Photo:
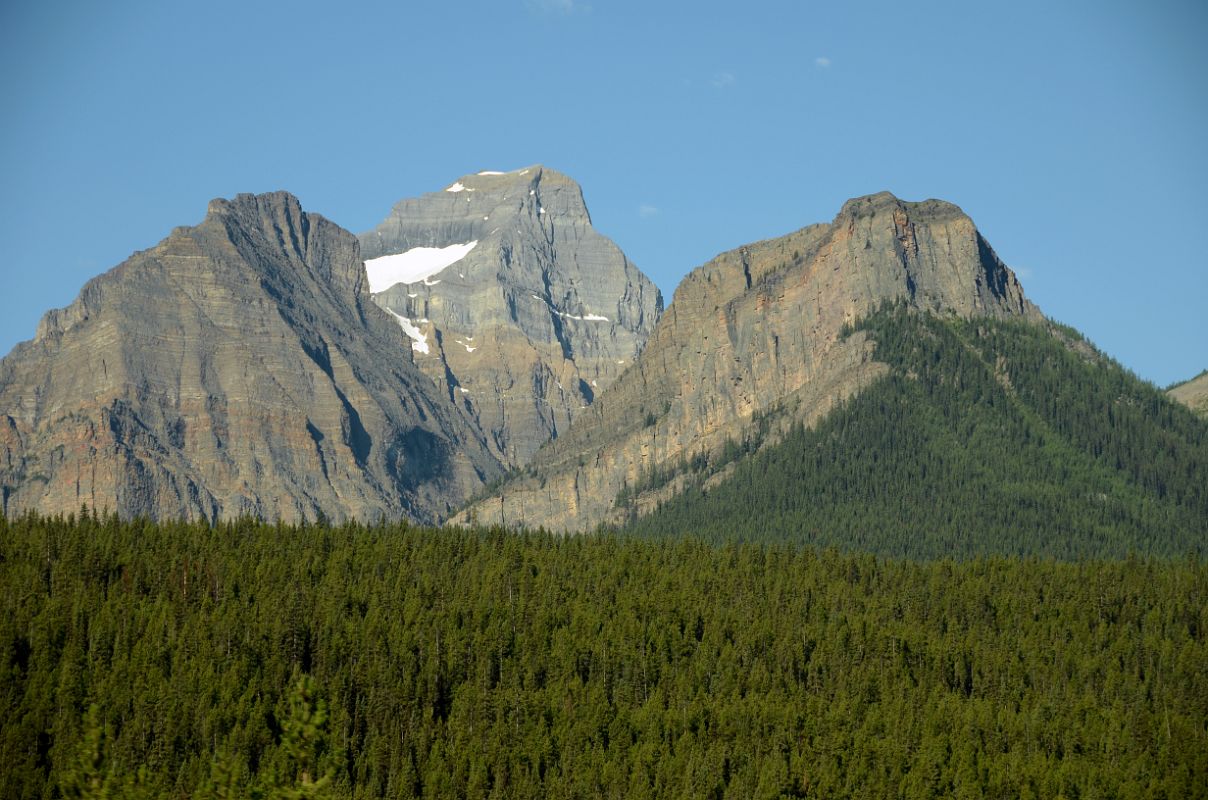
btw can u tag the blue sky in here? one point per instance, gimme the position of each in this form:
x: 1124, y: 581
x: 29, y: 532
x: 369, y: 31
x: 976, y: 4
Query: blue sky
x: 1073, y: 133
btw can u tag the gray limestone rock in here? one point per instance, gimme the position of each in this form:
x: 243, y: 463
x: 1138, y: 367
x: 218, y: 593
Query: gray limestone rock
x: 238, y: 367
x: 757, y: 331
x: 540, y: 315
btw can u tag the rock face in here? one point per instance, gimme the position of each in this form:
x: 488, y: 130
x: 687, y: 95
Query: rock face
x: 1193, y: 394
x: 239, y: 367
x: 755, y: 332
x: 517, y: 308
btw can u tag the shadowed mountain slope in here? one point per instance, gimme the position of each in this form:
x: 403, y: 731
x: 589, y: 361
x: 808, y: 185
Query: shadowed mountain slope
x: 238, y: 367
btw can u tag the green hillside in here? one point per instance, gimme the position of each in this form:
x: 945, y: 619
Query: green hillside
x: 251, y: 660
x: 986, y: 438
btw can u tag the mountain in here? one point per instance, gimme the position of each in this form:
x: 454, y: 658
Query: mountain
x: 517, y: 308
x: 757, y: 331
x: 255, y: 365
x: 1193, y: 393
x: 238, y: 367
x: 986, y: 436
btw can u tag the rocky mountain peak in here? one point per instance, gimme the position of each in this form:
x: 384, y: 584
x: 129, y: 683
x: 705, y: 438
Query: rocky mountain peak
x: 515, y: 305
x: 275, y: 222
x: 756, y: 331
x: 238, y: 367
x: 246, y: 203
x: 532, y: 178
x: 478, y: 207
x: 940, y: 259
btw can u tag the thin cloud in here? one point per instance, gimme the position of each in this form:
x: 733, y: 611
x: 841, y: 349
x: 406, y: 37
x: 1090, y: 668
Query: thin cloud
x: 646, y: 211
x: 1022, y: 272
x: 822, y: 62
x: 724, y: 80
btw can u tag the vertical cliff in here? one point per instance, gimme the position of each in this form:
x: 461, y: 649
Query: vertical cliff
x: 515, y: 305
x: 756, y: 331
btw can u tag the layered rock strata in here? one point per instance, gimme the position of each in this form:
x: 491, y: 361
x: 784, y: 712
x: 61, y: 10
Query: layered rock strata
x: 238, y: 367
x: 757, y: 332
x: 516, y: 307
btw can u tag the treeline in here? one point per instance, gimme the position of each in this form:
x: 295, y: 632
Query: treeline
x: 249, y: 659
x: 986, y: 437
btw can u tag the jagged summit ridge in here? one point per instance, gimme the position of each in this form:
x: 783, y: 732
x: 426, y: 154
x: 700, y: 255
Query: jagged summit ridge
x: 246, y: 364
x: 232, y: 369
x: 515, y: 305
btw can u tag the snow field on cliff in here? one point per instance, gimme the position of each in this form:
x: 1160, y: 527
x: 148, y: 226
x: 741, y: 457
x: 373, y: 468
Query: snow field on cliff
x: 416, y: 264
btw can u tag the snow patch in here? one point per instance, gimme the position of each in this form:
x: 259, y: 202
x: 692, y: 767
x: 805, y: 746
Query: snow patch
x: 419, y: 339
x: 469, y: 348
x: 459, y: 187
x: 417, y: 264
x: 491, y: 172
x: 584, y: 318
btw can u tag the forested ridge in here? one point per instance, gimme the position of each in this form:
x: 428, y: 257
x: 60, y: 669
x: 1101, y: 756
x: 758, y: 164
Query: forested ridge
x: 985, y: 437
x: 247, y: 659
x: 982, y: 577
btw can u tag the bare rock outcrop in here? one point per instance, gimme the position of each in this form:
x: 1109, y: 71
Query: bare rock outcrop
x: 516, y: 306
x: 238, y: 367
x: 757, y: 331
x: 1193, y: 393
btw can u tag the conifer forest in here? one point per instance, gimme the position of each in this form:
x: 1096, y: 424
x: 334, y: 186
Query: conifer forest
x: 247, y: 659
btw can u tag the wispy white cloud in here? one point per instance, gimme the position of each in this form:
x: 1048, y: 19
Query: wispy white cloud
x: 646, y: 211
x: 822, y: 62
x: 563, y: 7
x: 724, y: 80
x: 1022, y: 272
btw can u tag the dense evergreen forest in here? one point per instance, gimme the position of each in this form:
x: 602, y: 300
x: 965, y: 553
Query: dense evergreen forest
x: 252, y: 660
x: 986, y: 437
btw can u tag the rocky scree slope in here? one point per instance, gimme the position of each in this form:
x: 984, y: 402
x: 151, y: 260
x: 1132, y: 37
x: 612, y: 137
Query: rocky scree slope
x: 757, y: 332
x: 518, y: 309
x: 238, y: 367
